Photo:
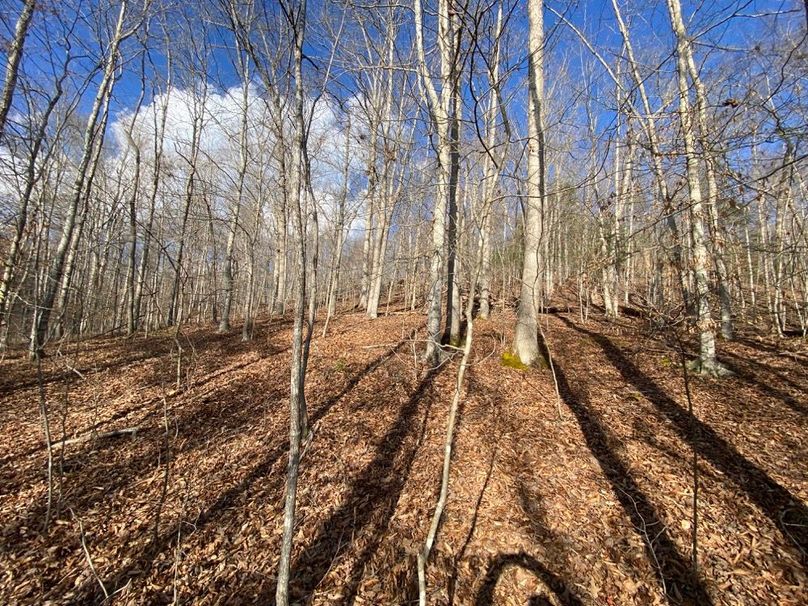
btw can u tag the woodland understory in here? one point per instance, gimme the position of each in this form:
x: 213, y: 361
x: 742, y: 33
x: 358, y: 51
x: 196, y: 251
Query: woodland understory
x: 411, y: 302
x: 586, y: 500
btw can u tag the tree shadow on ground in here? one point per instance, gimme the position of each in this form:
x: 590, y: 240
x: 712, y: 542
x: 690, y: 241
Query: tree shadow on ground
x: 767, y: 348
x: 785, y: 510
x: 502, y: 562
x: 673, y: 570
x: 142, y: 558
x: 452, y: 585
x: 136, y: 351
x: 12, y: 382
x: 100, y: 468
x: 750, y: 378
x: 151, y: 406
x: 370, y: 504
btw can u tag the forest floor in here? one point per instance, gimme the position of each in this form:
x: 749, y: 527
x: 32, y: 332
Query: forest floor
x: 593, y: 507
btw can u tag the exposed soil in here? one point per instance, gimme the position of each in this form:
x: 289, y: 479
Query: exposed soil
x: 594, y: 507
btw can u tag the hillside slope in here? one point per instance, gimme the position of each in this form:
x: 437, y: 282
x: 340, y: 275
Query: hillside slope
x: 593, y: 507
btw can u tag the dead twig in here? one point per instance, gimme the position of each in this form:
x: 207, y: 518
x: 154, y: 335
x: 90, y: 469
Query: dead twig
x: 87, y: 555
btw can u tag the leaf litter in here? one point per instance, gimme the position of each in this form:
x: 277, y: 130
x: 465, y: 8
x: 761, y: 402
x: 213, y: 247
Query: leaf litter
x: 594, y: 507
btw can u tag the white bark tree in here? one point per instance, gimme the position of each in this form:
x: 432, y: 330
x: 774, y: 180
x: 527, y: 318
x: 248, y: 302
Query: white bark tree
x: 526, y: 336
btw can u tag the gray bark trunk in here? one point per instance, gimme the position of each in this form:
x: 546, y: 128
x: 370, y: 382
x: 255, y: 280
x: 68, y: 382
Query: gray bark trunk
x: 526, y: 341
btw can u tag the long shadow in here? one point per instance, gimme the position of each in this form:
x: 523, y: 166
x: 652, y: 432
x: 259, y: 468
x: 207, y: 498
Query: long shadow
x: 141, y: 351
x: 531, y: 503
x: 767, y: 390
x: 555, y: 550
x: 142, y: 559
x: 452, y: 585
x: 485, y: 596
x: 96, y: 470
x: 766, y: 348
x: 673, y: 570
x: 785, y: 510
x: 12, y: 385
x: 531, y: 507
x: 370, y: 503
x: 148, y: 405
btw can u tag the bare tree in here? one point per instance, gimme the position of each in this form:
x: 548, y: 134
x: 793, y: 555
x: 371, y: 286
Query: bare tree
x: 14, y: 56
x: 704, y: 321
x: 56, y: 272
x: 526, y: 339
x: 442, y: 111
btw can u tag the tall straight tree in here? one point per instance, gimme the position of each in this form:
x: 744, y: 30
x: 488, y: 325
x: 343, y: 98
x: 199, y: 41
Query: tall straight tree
x: 492, y: 162
x: 526, y: 338
x: 442, y: 111
x: 295, y: 13
x: 78, y: 193
x: 14, y: 56
x: 159, y: 118
x: 698, y: 235
x: 242, y: 61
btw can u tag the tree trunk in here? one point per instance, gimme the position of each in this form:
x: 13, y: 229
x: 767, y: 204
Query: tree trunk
x: 297, y: 409
x: 55, y: 273
x: 526, y: 339
x: 13, y: 59
x: 440, y: 108
x: 227, y: 273
x: 704, y: 321
x: 31, y: 177
x: 174, y: 305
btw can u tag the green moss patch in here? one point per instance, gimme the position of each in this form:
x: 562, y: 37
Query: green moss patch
x: 511, y: 360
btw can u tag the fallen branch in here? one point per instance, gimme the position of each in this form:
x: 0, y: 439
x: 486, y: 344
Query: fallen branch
x: 129, y: 431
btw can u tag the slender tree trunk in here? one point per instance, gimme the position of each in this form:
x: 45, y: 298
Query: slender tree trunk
x: 491, y: 173
x: 370, y: 220
x: 704, y: 321
x: 227, y: 273
x: 131, y: 315
x: 297, y: 412
x: 13, y: 59
x: 339, y: 234
x: 174, y: 314
x: 32, y: 175
x: 526, y: 339
x: 159, y: 138
x: 249, y: 312
x: 649, y: 126
x: 54, y: 279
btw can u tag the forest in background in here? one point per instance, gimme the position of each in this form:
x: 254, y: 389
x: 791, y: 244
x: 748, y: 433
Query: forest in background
x: 185, y: 180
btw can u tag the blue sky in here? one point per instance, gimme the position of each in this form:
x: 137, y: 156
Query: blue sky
x: 648, y: 21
